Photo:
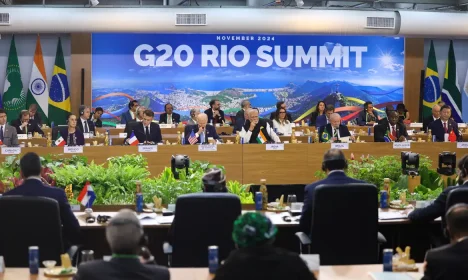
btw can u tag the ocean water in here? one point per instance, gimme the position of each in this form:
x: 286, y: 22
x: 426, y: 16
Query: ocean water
x: 263, y: 99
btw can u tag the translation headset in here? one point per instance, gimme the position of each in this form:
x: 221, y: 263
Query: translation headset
x: 82, y: 108
x: 339, y: 161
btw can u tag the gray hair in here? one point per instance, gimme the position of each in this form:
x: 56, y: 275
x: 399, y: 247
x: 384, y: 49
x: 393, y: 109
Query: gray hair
x: 202, y: 116
x: 335, y: 116
x: 124, y: 233
x: 244, y: 102
x: 193, y: 112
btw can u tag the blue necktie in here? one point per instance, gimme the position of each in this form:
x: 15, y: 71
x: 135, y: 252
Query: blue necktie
x: 1, y: 133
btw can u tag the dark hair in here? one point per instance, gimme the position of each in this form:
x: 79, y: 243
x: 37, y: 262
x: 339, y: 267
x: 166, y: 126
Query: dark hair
x: 99, y: 109
x: 367, y: 104
x: 277, y: 115
x: 457, y: 219
x: 2, y: 111
x: 212, y: 102
x: 214, y: 181
x: 30, y: 165
x: 149, y: 113
x: 317, y: 107
x: 330, y: 108
x: 445, y: 107
x: 33, y: 105
x: 334, y: 159
x: 278, y: 104
x: 165, y: 106
x: 23, y: 113
x: 131, y: 104
x: 401, y: 107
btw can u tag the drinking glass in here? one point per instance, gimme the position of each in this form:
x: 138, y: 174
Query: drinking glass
x: 87, y: 255
x: 291, y: 198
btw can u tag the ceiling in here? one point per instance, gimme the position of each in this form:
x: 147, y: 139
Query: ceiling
x: 427, y: 5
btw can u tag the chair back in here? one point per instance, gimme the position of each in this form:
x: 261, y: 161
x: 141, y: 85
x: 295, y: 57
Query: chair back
x: 455, y: 196
x: 202, y: 220
x: 29, y: 221
x: 345, y: 224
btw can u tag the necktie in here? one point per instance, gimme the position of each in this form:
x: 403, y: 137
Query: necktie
x: 394, y: 131
x: 147, y: 134
x: 202, y: 138
x: 445, y: 127
x: 335, y: 133
x: 86, y: 130
x: 1, y: 133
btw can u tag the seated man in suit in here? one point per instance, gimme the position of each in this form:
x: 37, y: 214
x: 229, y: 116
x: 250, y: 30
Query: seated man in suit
x: 258, y: 130
x: 432, y: 118
x: 169, y: 117
x: 324, y: 119
x: 96, y: 117
x: 201, y: 131
x: 84, y: 123
x: 25, y: 125
x: 215, y: 114
x: 130, y: 115
x: 368, y: 116
x: 240, y: 122
x: 444, y: 125
x: 449, y: 261
x: 334, y: 164
x: 34, y: 185
x: 394, y: 131
x: 8, y: 135
x: 124, y: 234
x: 334, y: 131
x: 388, y: 109
x: 282, y: 105
x: 34, y: 114
x: 241, y: 115
x: 147, y: 132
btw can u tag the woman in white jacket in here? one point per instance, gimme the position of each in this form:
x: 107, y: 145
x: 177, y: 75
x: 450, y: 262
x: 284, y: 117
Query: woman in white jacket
x: 281, y: 123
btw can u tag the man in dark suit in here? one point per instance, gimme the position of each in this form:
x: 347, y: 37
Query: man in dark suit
x: 169, y: 117
x: 368, y: 116
x: 324, y: 119
x: 393, y: 131
x: 334, y: 131
x: 33, y: 185
x: 131, y: 113
x: 25, y: 125
x: 96, y: 117
x: 8, y: 135
x: 34, y: 114
x: 215, y: 114
x: 124, y: 234
x: 241, y: 116
x: 449, y: 261
x: 84, y: 123
x: 254, y: 125
x: 432, y: 118
x: 444, y: 125
x: 282, y: 105
x: 147, y: 131
x: 202, y: 131
x: 334, y: 164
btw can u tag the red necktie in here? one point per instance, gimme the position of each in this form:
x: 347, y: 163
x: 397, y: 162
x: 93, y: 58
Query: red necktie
x: 445, y: 127
x: 394, y: 131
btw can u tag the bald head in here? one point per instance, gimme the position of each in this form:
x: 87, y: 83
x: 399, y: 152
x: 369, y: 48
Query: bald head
x: 436, y: 111
x: 335, y: 120
x: 202, y: 120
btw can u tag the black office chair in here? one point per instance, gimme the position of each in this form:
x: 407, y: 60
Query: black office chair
x: 344, y: 225
x: 29, y: 221
x: 455, y: 196
x: 202, y: 220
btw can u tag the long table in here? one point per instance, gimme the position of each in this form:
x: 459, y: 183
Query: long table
x: 296, y: 164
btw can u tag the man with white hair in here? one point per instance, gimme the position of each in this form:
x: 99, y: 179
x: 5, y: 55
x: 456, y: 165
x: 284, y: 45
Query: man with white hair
x: 258, y: 130
x: 334, y: 131
x: 435, y: 116
x: 200, y: 132
x: 124, y: 234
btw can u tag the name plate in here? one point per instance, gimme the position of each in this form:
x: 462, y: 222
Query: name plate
x: 275, y: 147
x: 461, y: 125
x: 86, y: 135
x: 165, y: 125
x: 22, y: 136
x: 11, y: 150
x: 123, y: 135
x: 401, y: 145
x: 73, y: 150
x: 148, y: 148
x: 207, y: 148
x: 416, y: 125
x: 340, y: 146
x: 462, y: 145
x: 75, y: 207
x: 120, y: 126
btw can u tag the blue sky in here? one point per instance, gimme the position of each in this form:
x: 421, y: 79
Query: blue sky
x: 114, y: 64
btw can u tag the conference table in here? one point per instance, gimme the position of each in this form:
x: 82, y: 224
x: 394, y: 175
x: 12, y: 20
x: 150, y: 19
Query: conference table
x: 346, y: 272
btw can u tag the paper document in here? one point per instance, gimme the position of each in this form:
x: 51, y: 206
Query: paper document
x: 394, y: 275
x: 392, y: 215
x: 165, y: 219
x: 147, y: 216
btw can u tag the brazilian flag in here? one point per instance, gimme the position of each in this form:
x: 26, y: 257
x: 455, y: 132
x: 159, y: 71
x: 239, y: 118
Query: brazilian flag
x: 431, y: 84
x: 325, y: 136
x: 59, y: 94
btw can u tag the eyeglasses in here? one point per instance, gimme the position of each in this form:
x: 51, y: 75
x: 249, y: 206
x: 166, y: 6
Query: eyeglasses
x: 282, y: 112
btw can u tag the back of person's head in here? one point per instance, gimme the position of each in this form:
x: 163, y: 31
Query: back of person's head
x: 278, y: 104
x: 253, y: 229
x: 334, y: 159
x: 214, y: 181
x: 457, y: 221
x: 330, y: 108
x: 401, y: 107
x: 124, y: 233
x: 30, y: 165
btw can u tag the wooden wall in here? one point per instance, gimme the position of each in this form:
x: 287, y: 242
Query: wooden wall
x: 414, y: 63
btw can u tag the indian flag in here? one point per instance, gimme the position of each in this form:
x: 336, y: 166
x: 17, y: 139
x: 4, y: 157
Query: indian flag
x: 38, y: 91
x: 261, y: 137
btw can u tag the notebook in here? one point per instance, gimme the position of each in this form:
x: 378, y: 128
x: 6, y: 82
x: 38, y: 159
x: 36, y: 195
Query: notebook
x: 394, y: 276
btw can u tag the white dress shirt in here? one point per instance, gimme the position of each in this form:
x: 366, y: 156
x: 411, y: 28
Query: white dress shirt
x: 284, y: 127
x: 169, y: 119
x: 270, y: 132
x: 337, y: 132
x: 84, y: 122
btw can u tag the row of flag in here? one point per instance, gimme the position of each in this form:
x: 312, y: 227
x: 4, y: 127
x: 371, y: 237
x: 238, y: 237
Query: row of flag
x: 53, y: 103
x: 450, y: 93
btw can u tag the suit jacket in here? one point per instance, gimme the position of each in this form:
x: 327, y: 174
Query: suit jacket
x: 437, y: 129
x: 209, y: 113
x: 191, y: 122
x: 97, y: 123
x: 175, y: 118
x: 288, y: 115
x: 121, y: 268
x: 313, y: 118
x: 37, y: 118
x: 129, y: 127
x: 240, y: 121
x: 426, y: 122
x: 10, y: 137
x: 343, y: 129
x: 91, y: 126
x: 361, y: 120
x: 71, y: 227
x: 336, y: 177
x: 155, y: 133
x: 381, y: 129
x: 78, y: 135
x: 210, y: 132
x: 126, y: 117
x: 435, y: 209
x: 447, y: 262
x: 321, y: 121
x: 32, y: 127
